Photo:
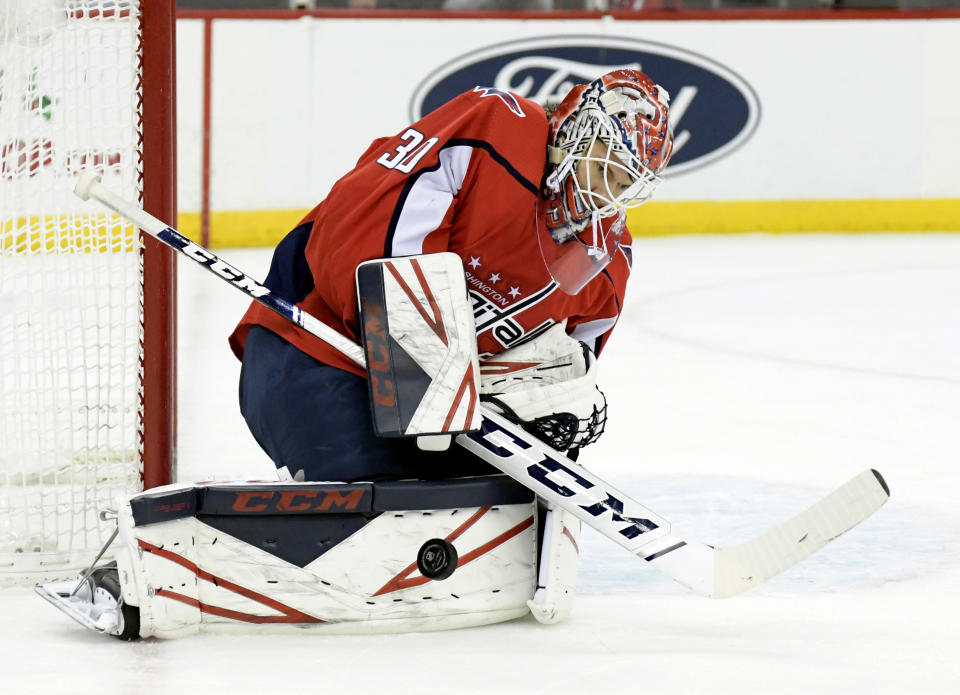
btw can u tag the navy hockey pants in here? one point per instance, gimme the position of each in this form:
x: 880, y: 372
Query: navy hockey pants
x: 316, y: 418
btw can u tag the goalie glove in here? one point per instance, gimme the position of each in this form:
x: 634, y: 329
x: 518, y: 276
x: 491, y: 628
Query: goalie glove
x: 548, y: 386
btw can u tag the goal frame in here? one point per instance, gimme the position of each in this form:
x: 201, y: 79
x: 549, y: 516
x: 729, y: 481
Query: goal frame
x: 159, y: 196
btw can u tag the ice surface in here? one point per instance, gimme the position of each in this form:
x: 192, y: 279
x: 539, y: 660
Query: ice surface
x: 748, y: 376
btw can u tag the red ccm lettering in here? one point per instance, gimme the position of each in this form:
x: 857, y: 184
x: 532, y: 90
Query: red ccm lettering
x: 267, y: 501
x: 378, y: 356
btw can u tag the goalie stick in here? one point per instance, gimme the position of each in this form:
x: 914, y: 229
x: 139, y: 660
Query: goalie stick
x: 715, y: 572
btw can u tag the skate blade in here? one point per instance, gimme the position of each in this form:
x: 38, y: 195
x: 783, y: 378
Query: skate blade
x: 59, y: 595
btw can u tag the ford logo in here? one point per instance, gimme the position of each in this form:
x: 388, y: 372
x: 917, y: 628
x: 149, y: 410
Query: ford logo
x: 714, y: 110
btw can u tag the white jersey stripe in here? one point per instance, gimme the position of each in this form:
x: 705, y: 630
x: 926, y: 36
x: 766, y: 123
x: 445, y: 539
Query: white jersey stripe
x: 429, y: 199
x: 589, y: 331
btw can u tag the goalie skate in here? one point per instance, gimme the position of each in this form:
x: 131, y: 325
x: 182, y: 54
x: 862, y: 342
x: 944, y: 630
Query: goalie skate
x: 94, y: 601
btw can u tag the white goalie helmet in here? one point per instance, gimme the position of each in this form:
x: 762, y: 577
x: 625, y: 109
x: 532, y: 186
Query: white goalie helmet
x: 609, y: 142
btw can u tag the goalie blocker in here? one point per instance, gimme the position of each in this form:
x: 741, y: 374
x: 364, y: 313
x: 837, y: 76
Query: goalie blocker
x: 420, y: 344
x: 330, y: 557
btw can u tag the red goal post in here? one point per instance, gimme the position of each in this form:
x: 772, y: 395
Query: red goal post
x: 159, y: 155
x: 87, y: 304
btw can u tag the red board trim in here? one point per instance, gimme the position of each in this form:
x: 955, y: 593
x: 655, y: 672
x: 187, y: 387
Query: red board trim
x: 640, y: 15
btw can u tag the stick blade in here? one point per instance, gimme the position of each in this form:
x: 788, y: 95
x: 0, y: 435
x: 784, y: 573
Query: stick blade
x: 741, y: 567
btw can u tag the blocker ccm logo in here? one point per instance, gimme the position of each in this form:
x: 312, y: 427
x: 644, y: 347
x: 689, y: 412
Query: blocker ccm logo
x: 714, y: 110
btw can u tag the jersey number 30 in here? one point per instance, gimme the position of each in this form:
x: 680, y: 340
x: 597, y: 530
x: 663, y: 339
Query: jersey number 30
x: 405, y: 157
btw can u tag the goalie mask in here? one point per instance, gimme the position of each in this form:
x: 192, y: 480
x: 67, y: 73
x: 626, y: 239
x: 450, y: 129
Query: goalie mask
x: 609, y: 142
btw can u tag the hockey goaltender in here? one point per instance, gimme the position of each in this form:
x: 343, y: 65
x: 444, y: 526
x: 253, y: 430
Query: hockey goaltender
x: 457, y: 285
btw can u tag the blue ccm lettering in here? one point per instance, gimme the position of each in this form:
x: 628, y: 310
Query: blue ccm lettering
x: 217, y: 266
x: 541, y: 470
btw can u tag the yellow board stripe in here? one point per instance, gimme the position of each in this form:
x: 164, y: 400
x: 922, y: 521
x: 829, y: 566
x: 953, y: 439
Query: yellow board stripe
x: 241, y: 228
x: 41, y: 235
x: 267, y: 227
x: 792, y: 216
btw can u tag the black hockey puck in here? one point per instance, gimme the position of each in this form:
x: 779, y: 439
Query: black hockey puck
x: 437, y: 559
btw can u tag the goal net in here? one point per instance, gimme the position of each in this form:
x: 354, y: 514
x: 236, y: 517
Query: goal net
x: 72, y: 293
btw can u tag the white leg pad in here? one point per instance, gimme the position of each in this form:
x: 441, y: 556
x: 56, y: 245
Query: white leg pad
x: 188, y: 576
x: 559, y: 561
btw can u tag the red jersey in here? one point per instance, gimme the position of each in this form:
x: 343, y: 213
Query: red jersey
x: 464, y: 178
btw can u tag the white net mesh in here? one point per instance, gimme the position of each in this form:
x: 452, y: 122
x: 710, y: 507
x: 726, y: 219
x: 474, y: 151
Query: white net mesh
x: 70, y: 280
